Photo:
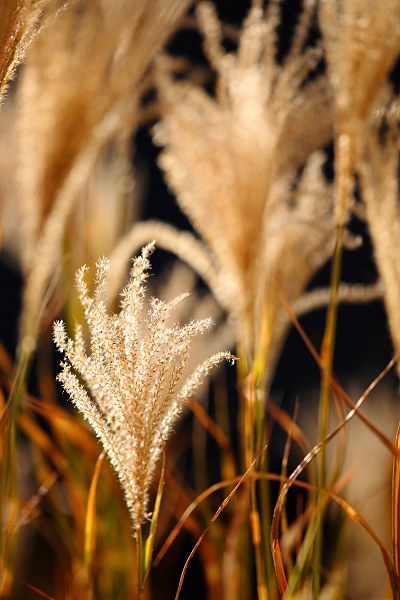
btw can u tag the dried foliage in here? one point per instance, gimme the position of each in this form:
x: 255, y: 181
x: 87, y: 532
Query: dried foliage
x: 133, y: 376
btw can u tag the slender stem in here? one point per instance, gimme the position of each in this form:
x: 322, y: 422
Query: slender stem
x: 344, y: 180
x: 327, y: 355
x: 140, y: 566
x: 255, y: 523
x: 253, y: 385
x: 247, y: 389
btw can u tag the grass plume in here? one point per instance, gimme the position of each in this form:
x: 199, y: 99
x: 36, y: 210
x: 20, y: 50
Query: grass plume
x: 133, y: 376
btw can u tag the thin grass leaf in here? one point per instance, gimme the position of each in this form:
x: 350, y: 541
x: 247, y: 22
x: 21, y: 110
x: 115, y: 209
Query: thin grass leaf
x: 333, y: 383
x: 49, y: 449
x: 9, y: 504
x: 327, y: 357
x: 187, y: 513
x: 279, y: 568
x: 352, y: 513
x: 65, y: 426
x: 284, y: 471
x: 39, y: 592
x: 27, y: 511
x: 216, y: 515
x: 234, y: 571
x: 291, y: 428
x: 217, y: 434
x: 396, y: 505
x: 209, y: 552
x: 90, y: 526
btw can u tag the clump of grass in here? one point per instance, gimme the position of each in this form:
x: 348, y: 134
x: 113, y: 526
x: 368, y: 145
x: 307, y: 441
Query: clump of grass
x: 132, y: 391
x: 245, y: 159
x: 133, y: 376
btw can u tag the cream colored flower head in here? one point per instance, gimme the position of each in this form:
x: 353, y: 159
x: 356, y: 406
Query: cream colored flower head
x: 129, y: 386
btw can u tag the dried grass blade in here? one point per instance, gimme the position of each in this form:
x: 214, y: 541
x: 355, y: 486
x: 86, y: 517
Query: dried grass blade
x: 352, y: 513
x: 284, y: 471
x: 277, y: 555
x: 90, y: 526
x: 44, y: 442
x: 396, y: 505
x: 217, y: 433
x: 189, y: 510
x: 9, y: 505
x: 333, y: 383
x: 291, y: 428
x: 355, y: 516
x: 5, y: 361
x: 39, y: 592
x: 216, y: 515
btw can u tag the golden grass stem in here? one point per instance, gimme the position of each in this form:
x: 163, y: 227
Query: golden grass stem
x: 250, y: 442
x: 327, y: 354
x: 257, y: 517
x: 140, y: 560
x: 396, y: 506
x: 90, y: 528
x: 252, y: 379
x: 343, y: 164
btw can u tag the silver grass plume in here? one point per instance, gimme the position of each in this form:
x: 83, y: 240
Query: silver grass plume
x: 380, y: 190
x: 129, y: 386
x: 78, y: 96
x: 265, y: 121
x: 81, y: 86
x: 19, y: 24
x: 362, y: 42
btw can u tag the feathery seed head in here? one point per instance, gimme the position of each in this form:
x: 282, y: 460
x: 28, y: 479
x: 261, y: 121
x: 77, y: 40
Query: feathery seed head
x: 19, y: 23
x: 362, y: 40
x: 265, y: 121
x: 132, y: 389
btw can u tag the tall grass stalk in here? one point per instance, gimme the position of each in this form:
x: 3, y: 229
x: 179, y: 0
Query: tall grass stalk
x: 343, y: 180
x: 90, y: 528
x: 396, y: 506
x: 252, y: 372
x: 327, y: 357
